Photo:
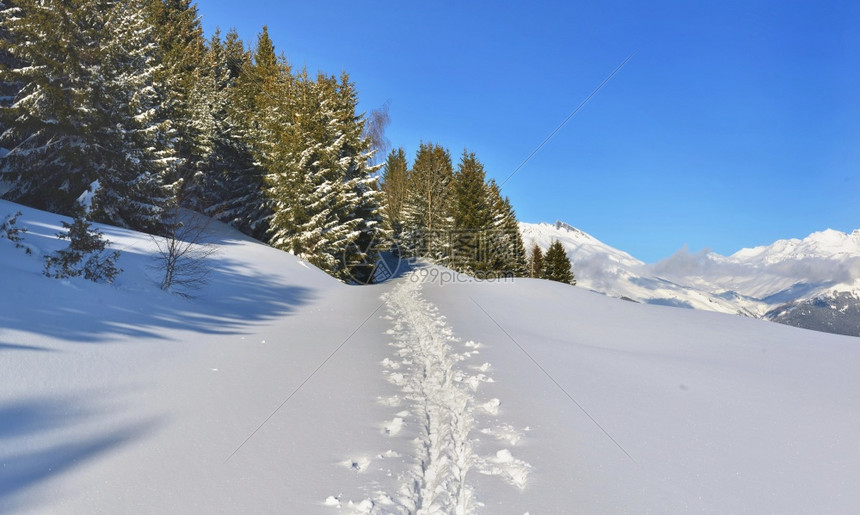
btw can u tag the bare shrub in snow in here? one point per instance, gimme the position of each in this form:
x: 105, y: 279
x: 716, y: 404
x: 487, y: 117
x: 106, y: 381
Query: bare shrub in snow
x: 183, y: 253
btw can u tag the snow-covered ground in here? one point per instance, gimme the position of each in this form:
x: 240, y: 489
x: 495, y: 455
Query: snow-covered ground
x: 279, y: 390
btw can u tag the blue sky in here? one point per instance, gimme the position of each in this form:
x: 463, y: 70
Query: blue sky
x: 733, y: 125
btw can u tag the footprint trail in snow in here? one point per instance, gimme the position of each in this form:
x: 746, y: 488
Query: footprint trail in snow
x: 440, y: 388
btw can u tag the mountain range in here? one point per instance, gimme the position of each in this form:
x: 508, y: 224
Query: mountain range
x: 812, y: 282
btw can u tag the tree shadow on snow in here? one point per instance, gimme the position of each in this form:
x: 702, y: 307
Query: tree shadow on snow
x: 41, y: 438
x: 12, y: 346
x: 233, y: 298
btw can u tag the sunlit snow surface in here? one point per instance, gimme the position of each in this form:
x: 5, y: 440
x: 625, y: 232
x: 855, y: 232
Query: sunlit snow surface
x: 279, y: 390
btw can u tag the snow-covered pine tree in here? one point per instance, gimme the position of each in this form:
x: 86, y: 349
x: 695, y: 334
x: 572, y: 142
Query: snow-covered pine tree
x: 506, y: 251
x: 225, y: 162
x: 556, y: 264
x: 85, y: 255
x: 516, y: 254
x: 181, y: 46
x: 288, y: 160
x: 395, y: 177
x: 54, y: 48
x: 86, y: 123
x: 8, y: 88
x: 356, y: 156
x: 321, y: 183
x: 266, y: 97
x: 136, y: 163
x: 207, y: 107
x: 535, y: 261
x: 472, y: 216
x: 259, y: 107
x: 9, y: 230
x: 426, y: 211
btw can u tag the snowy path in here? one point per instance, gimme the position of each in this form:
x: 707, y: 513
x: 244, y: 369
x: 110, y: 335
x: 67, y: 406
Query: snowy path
x: 442, y: 404
x: 440, y: 389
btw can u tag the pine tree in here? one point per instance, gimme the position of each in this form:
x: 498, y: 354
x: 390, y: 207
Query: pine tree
x: 178, y: 36
x: 47, y: 166
x: 136, y: 163
x: 535, y: 262
x: 8, y: 88
x: 472, y: 216
x: 259, y: 111
x: 85, y: 255
x: 227, y: 185
x: 208, y: 103
x: 233, y: 175
x: 515, y: 254
x: 506, y: 252
x: 426, y: 212
x: 86, y: 123
x: 357, y: 157
x: 9, y: 230
x: 321, y: 183
x: 556, y: 265
x: 395, y: 176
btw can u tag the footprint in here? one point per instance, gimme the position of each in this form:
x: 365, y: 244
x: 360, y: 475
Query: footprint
x: 358, y: 464
x: 393, y: 427
x: 504, y: 432
x: 514, y: 471
x: 475, y: 381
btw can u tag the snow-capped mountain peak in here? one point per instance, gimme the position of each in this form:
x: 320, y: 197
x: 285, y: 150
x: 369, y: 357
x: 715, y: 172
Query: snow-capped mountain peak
x: 605, y: 269
x: 585, y: 245
x: 569, y: 228
x: 762, y: 281
x: 829, y: 244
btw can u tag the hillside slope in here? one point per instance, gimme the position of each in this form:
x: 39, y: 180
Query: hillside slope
x: 279, y: 390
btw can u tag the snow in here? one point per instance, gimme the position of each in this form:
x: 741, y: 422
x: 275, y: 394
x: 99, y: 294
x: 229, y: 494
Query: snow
x: 750, y: 281
x: 602, y: 268
x: 280, y: 390
x: 86, y: 198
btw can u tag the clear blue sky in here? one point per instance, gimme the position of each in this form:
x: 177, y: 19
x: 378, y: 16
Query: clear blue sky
x: 735, y: 124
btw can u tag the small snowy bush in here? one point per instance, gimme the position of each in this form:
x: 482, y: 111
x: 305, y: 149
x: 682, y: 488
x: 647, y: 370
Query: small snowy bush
x: 85, y: 254
x: 10, y: 230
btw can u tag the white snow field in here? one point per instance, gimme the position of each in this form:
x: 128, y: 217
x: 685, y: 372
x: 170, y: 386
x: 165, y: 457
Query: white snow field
x: 279, y: 390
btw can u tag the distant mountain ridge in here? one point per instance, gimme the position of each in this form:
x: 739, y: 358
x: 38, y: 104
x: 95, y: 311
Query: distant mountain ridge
x: 812, y: 282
